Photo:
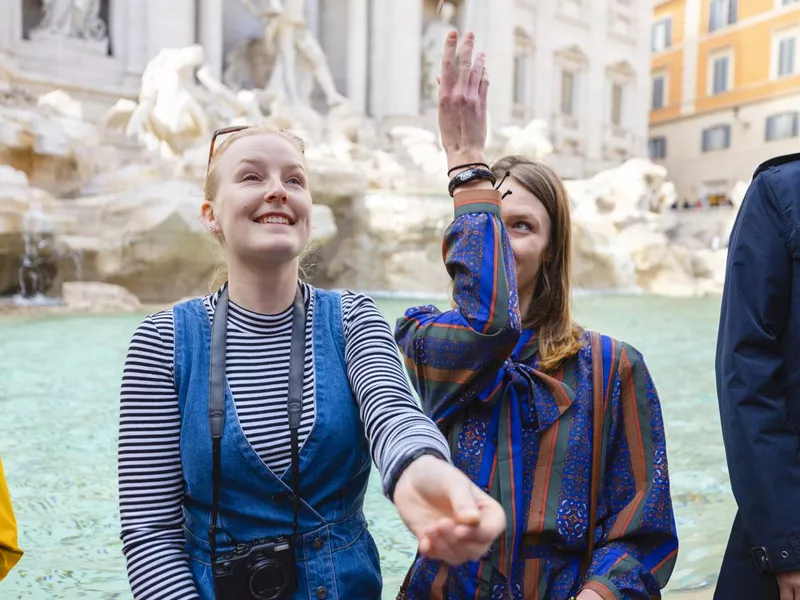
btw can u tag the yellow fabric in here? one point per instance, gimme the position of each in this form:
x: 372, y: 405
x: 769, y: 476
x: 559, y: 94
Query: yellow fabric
x: 9, y: 550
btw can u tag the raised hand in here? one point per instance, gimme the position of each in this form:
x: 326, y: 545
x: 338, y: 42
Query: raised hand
x: 463, y: 88
x: 453, y: 519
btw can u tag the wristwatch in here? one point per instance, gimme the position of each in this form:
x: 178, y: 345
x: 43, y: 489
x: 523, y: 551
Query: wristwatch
x: 469, y: 175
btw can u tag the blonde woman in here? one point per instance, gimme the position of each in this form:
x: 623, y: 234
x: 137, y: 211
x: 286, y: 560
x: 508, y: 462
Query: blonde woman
x: 250, y: 417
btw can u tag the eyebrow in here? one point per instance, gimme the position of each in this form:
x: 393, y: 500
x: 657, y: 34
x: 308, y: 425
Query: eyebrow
x: 254, y: 160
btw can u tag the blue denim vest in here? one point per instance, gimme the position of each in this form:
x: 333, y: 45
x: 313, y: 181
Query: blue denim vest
x: 336, y: 556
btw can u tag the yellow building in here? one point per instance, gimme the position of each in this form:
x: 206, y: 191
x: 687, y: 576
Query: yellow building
x: 725, y: 90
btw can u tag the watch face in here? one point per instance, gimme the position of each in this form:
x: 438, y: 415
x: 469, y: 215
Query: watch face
x: 464, y: 174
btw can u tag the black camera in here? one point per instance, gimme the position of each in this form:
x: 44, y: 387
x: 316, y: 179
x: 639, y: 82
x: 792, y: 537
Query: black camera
x: 264, y: 569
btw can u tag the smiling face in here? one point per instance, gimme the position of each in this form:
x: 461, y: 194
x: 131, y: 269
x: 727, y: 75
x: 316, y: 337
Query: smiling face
x: 529, y: 229
x: 257, y: 198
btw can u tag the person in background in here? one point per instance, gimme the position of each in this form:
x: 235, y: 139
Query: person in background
x: 758, y: 387
x: 562, y: 426
x: 312, y: 388
x: 10, y: 552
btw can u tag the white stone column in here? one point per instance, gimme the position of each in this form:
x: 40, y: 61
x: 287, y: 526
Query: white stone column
x: 357, y: 53
x: 170, y: 24
x: 211, y: 34
x: 494, y: 34
x: 11, y: 25
x: 136, y: 37
x: 597, y: 112
x: 395, y: 71
x: 546, y: 76
x: 312, y: 17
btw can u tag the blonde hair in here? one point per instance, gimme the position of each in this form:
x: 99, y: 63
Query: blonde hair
x: 549, y: 312
x: 307, y: 259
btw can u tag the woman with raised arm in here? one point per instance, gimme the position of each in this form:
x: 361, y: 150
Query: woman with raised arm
x: 560, y: 425
x: 249, y: 417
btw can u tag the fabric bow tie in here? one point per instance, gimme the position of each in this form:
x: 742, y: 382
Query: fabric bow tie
x: 527, y: 399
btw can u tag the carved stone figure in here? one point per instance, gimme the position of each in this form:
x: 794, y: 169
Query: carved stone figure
x: 299, y: 59
x: 74, y: 19
x: 432, y: 47
x: 173, y: 112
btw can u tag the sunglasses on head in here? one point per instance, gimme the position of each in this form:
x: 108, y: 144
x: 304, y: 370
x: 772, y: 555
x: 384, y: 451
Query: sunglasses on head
x: 219, y: 132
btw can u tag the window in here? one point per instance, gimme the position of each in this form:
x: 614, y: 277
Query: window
x: 568, y: 93
x: 659, y: 92
x: 523, y: 51
x: 716, y: 138
x: 787, y: 51
x: 662, y: 34
x: 720, y: 74
x: 782, y: 126
x: 786, y: 2
x: 617, y: 98
x: 721, y: 13
x: 657, y: 147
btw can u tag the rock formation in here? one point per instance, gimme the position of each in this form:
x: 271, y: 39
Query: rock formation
x: 117, y: 202
x: 626, y: 237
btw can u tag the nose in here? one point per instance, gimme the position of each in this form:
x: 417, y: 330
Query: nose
x: 276, y: 193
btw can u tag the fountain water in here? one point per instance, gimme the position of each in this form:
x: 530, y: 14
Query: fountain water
x: 40, y: 259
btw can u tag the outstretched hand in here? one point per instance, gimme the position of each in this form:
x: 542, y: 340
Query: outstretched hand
x: 453, y: 519
x: 463, y: 89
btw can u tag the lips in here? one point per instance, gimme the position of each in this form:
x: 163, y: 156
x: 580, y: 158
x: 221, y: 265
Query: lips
x: 274, y: 219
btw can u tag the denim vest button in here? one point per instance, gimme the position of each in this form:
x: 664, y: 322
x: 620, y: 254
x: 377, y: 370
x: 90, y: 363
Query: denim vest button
x: 322, y: 592
x: 318, y: 544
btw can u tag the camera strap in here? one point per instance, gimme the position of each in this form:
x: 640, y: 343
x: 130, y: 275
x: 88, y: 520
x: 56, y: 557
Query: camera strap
x: 216, y: 402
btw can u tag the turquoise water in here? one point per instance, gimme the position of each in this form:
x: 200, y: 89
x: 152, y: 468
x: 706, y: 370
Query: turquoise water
x: 59, y: 380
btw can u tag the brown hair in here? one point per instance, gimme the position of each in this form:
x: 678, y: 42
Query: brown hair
x: 549, y: 312
x: 307, y: 259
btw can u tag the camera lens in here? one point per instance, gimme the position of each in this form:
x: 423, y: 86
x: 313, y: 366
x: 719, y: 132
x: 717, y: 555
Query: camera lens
x: 268, y: 580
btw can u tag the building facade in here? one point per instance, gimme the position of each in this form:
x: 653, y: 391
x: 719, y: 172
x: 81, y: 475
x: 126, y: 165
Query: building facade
x: 580, y: 65
x: 725, y: 90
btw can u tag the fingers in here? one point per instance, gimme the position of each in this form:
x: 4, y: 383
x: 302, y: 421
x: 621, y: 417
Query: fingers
x: 465, y: 60
x: 463, y: 502
x: 493, y: 517
x: 451, y: 543
x: 483, y: 87
x: 448, y: 76
x: 476, y: 73
x: 439, y: 6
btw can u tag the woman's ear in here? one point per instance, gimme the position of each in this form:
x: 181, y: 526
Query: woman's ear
x: 209, y: 220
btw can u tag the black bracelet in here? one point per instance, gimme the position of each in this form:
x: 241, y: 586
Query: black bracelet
x: 476, y: 164
x: 469, y: 176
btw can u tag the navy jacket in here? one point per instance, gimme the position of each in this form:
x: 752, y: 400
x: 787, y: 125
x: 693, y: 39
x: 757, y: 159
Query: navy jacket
x: 758, y: 363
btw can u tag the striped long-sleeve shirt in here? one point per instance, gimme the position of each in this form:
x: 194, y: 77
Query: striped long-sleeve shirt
x: 257, y: 367
x: 526, y: 437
